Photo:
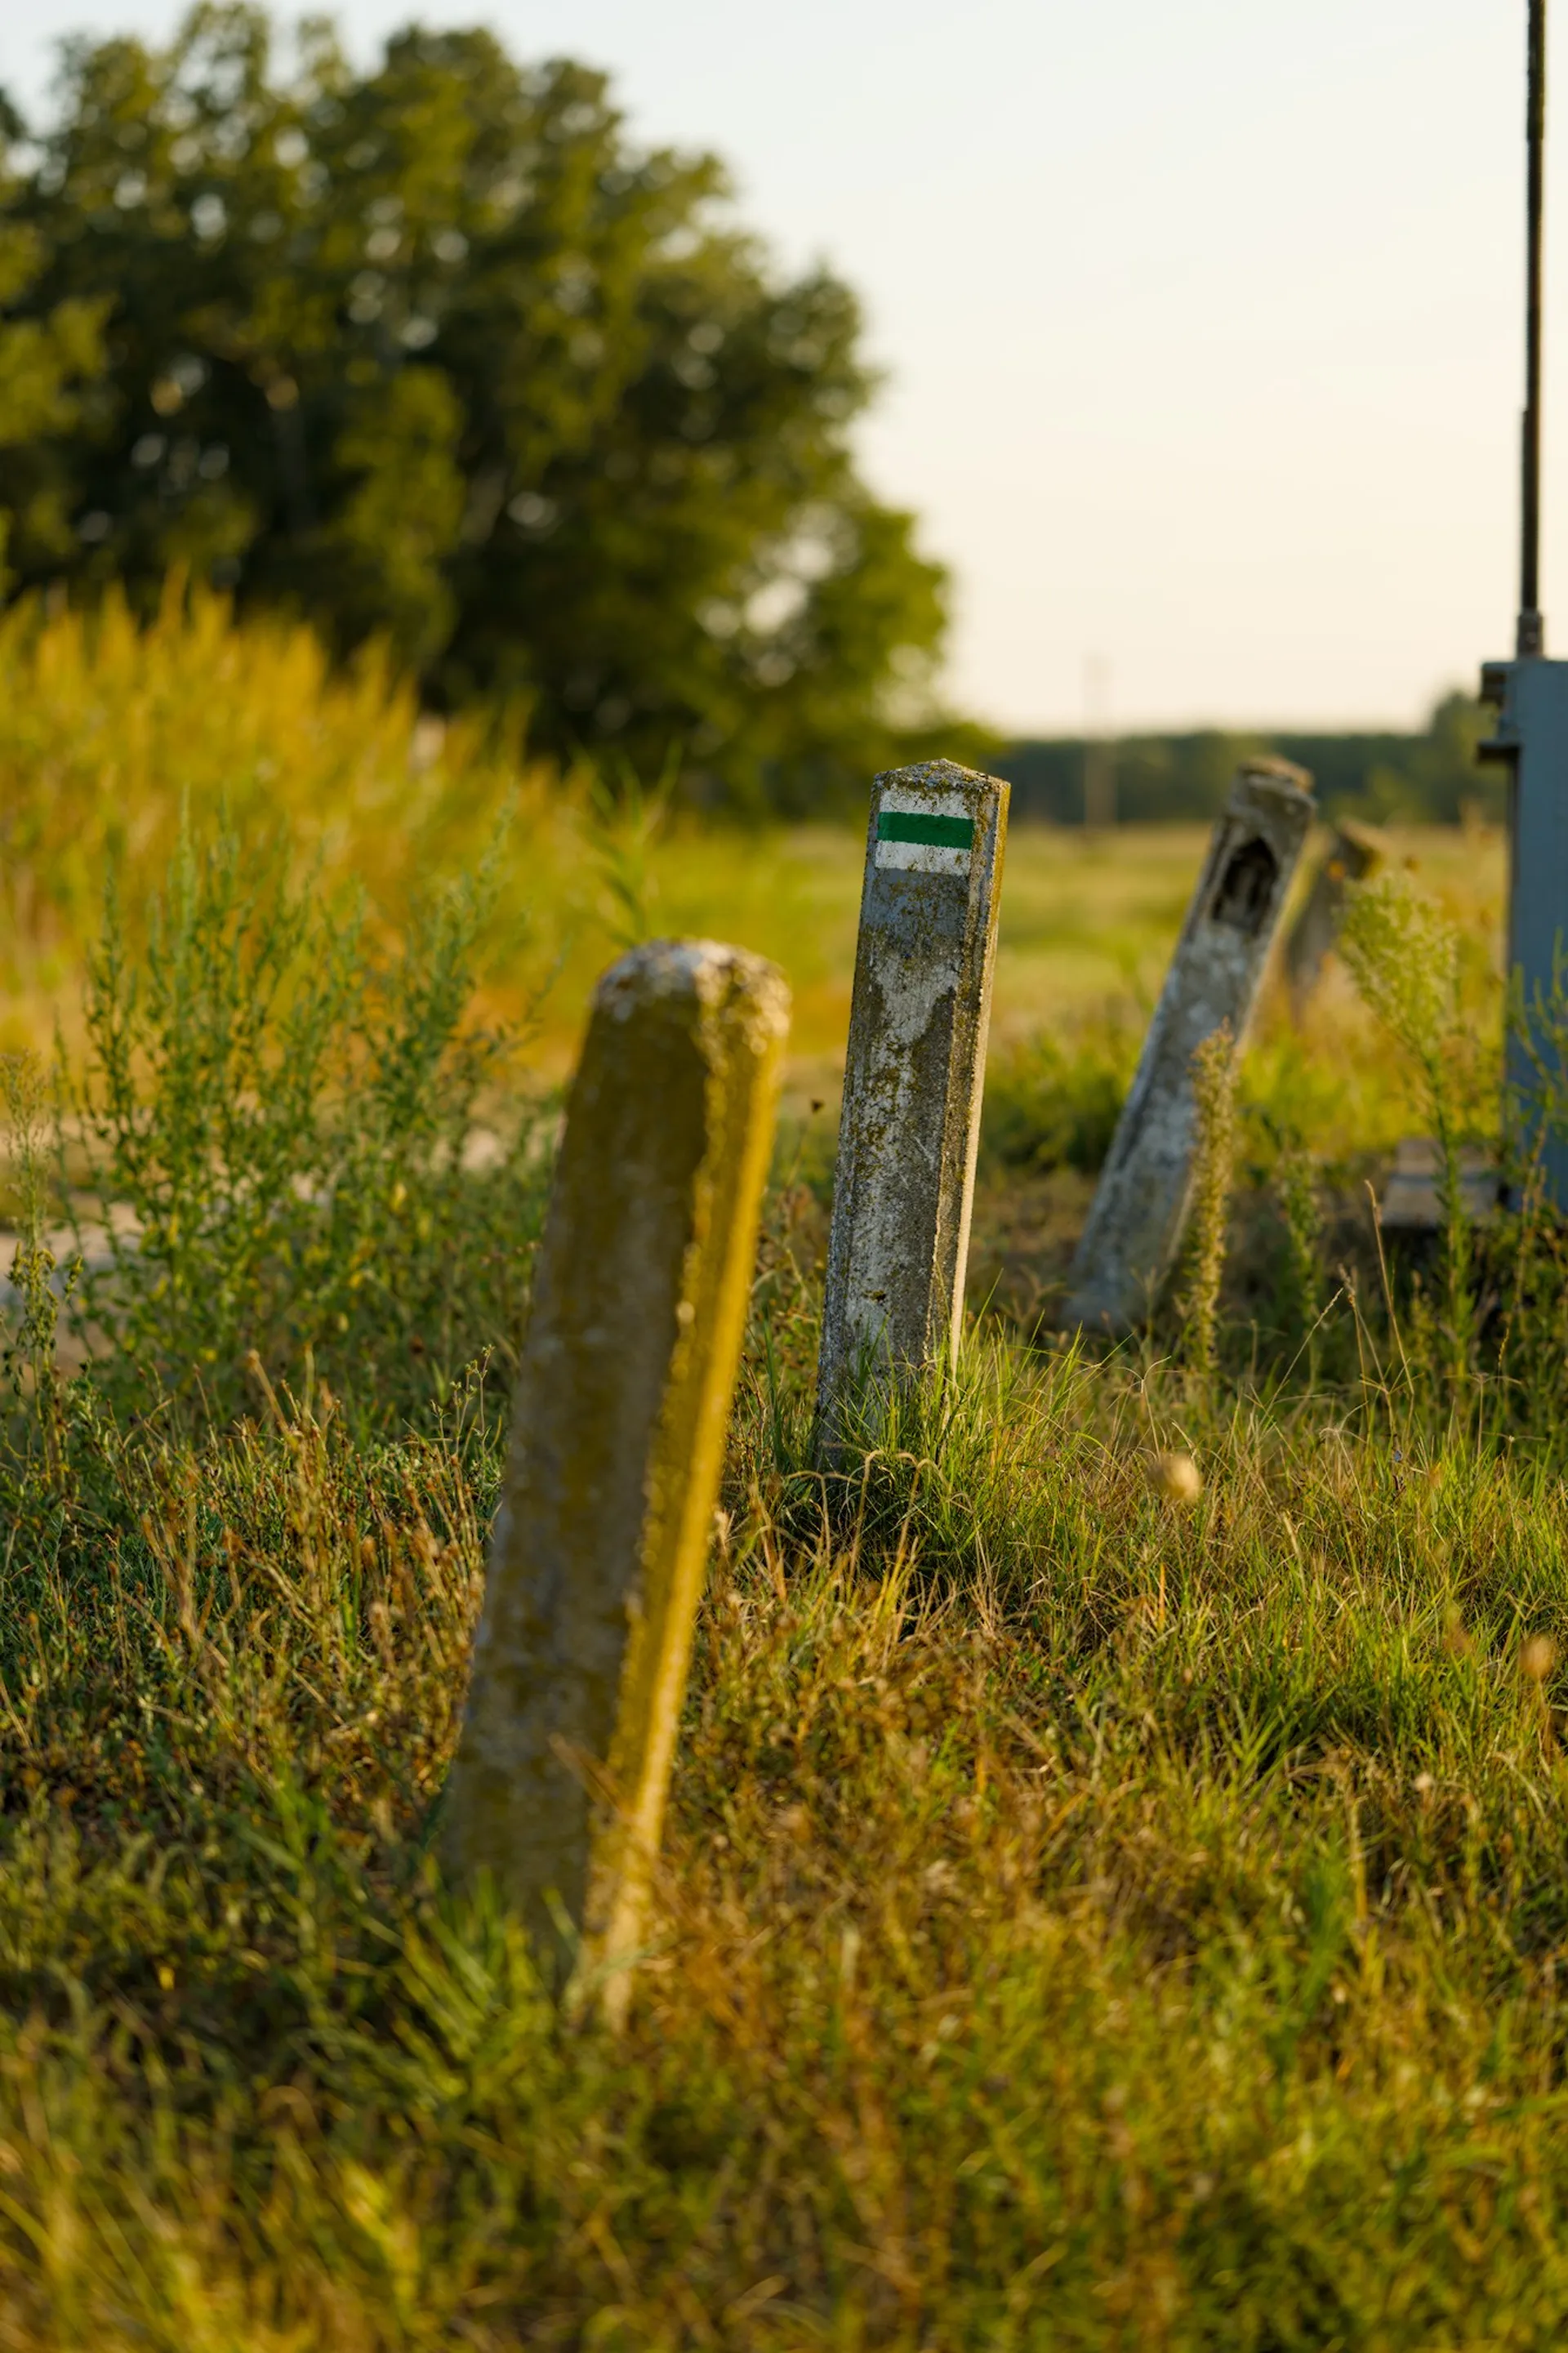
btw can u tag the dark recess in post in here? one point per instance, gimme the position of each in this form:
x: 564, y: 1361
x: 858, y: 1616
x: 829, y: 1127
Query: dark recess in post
x: 1246, y: 886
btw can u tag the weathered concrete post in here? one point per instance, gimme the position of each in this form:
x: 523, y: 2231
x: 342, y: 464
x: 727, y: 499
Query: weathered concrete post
x: 1353, y: 855
x: 623, y: 1398
x: 1140, y: 1209
x: 911, y: 1122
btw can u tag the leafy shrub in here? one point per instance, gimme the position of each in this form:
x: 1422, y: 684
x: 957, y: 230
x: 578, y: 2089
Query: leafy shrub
x: 278, y: 1133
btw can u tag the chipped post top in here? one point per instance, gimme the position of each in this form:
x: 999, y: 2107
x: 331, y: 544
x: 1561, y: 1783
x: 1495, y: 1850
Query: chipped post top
x: 1267, y: 768
x: 708, y: 970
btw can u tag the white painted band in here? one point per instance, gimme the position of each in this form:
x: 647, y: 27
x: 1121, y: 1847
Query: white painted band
x: 909, y: 804
x: 922, y: 857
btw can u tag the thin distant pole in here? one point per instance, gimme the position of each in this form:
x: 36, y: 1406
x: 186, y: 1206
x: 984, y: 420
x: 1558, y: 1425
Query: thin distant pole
x: 1099, y: 753
x: 1531, y: 636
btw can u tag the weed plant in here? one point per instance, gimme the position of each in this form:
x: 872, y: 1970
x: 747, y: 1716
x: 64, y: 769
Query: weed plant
x: 292, y: 1129
x: 1213, y: 1104
x: 1406, y: 960
x: 1098, y: 1909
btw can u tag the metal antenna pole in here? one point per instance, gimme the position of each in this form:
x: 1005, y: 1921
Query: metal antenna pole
x: 1531, y: 636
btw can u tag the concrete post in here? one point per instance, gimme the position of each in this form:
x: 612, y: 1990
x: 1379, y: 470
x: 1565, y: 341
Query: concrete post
x: 622, y: 1399
x: 1355, y: 854
x: 911, y: 1124
x: 1139, y: 1210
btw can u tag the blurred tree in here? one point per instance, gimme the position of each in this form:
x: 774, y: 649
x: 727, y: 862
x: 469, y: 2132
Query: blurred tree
x: 438, y: 354
x: 47, y: 352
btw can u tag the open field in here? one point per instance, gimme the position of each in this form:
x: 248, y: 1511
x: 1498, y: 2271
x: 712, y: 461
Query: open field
x: 1087, y: 921
x: 111, y: 736
x: 1087, y: 925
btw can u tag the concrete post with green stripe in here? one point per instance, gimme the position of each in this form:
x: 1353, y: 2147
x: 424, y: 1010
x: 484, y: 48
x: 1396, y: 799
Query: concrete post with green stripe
x: 911, y: 1124
x: 623, y: 1400
x: 1138, y: 1214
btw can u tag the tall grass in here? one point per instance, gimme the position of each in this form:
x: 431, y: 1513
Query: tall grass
x: 114, y: 731
x: 1213, y: 1104
x: 1406, y: 959
x: 1082, y: 1923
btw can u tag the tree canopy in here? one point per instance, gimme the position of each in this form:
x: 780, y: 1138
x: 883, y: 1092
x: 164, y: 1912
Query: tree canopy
x: 436, y: 355
x: 46, y: 351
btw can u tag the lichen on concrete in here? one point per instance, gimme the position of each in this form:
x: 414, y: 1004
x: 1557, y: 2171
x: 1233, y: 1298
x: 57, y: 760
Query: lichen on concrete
x: 622, y: 1401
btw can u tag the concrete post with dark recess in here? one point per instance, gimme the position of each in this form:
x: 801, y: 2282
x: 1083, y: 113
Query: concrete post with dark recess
x: 623, y: 1401
x: 910, y: 1129
x: 1139, y: 1210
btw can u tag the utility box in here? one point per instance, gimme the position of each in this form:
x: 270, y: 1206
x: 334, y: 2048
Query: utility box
x: 1531, y: 735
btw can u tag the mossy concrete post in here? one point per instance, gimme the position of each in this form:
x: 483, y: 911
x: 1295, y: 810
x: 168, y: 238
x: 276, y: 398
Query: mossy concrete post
x: 911, y: 1124
x: 622, y: 1399
x: 1139, y: 1210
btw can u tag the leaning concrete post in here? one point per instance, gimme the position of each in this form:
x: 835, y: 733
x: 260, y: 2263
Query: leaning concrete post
x: 1139, y: 1210
x: 622, y: 1399
x: 911, y: 1122
x: 1353, y: 855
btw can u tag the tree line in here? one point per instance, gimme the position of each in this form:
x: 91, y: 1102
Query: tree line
x: 437, y: 355
x: 1423, y: 775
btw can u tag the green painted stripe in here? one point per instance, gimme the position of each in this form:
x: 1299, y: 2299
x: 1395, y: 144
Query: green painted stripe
x: 939, y: 832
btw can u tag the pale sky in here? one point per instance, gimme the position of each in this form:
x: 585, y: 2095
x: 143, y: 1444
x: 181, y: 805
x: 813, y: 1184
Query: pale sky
x: 1200, y: 318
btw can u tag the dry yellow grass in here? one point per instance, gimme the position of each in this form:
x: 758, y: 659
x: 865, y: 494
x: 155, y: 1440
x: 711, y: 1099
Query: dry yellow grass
x: 110, y: 732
